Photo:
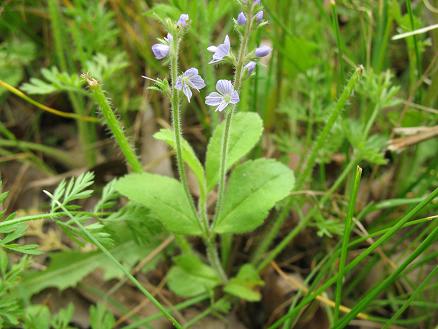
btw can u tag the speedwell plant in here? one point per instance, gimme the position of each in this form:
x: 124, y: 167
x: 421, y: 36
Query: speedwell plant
x: 224, y: 206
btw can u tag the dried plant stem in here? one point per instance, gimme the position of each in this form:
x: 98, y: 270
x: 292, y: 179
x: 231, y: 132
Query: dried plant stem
x: 114, y: 125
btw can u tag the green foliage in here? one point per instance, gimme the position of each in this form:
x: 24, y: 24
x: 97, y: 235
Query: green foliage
x: 164, y: 197
x: 190, y: 276
x: 100, y: 318
x: 247, y: 127
x: 75, y: 189
x: 253, y: 189
x: 67, y: 268
x: 245, y: 284
x: 102, y: 68
x: 93, y: 29
x: 188, y: 155
x: 11, y: 309
x: 10, y: 233
x: 55, y: 81
x: 15, y: 54
x: 15, y: 232
x: 37, y: 317
x: 63, y: 318
x: 134, y: 222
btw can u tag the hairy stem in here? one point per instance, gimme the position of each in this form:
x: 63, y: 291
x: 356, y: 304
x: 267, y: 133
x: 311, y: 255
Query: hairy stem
x: 229, y: 117
x: 177, y: 129
x: 114, y: 125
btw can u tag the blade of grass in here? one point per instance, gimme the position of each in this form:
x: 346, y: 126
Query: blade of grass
x: 364, y: 254
x: 345, y: 240
x: 178, y: 307
x: 374, y: 292
x: 414, y: 38
x: 122, y: 268
x: 335, y: 23
x: 306, y: 173
x: 410, y: 300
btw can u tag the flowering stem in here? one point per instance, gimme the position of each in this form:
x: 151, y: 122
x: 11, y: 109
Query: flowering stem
x: 229, y: 117
x: 176, y: 123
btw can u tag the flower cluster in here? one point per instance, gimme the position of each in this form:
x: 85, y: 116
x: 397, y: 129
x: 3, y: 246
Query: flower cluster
x: 226, y: 92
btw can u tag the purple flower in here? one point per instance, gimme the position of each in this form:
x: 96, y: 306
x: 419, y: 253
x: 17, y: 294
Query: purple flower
x: 225, y: 96
x: 220, y: 51
x: 161, y: 50
x: 189, y: 79
x: 259, y: 16
x: 250, y: 67
x: 263, y: 51
x: 256, y: 2
x: 241, y: 19
x: 182, y: 21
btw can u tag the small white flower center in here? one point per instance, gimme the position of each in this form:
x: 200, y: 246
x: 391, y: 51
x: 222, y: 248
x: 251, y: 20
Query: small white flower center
x: 227, y: 98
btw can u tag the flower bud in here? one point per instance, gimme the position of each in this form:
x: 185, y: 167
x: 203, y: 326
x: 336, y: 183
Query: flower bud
x: 250, y: 67
x: 182, y: 21
x: 241, y: 19
x: 259, y: 16
x: 160, y: 51
x: 263, y: 51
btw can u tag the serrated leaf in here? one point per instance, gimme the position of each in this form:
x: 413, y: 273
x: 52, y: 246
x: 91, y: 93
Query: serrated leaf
x: 164, y: 197
x: 253, y: 189
x: 245, y: 284
x: 191, y: 277
x: 246, y: 129
x: 188, y: 155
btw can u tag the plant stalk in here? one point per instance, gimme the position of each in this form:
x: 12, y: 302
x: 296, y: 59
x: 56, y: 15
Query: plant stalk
x: 114, y: 124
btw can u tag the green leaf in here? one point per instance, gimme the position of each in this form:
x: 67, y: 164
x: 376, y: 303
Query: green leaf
x: 246, y: 129
x: 191, y: 277
x: 244, y: 285
x: 63, y: 318
x: 253, y: 189
x: 66, y: 269
x: 164, y: 197
x: 100, y: 318
x: 188, y: 155
x: 55, y: 81
x: 37, y: 317
x: 75, y: 189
